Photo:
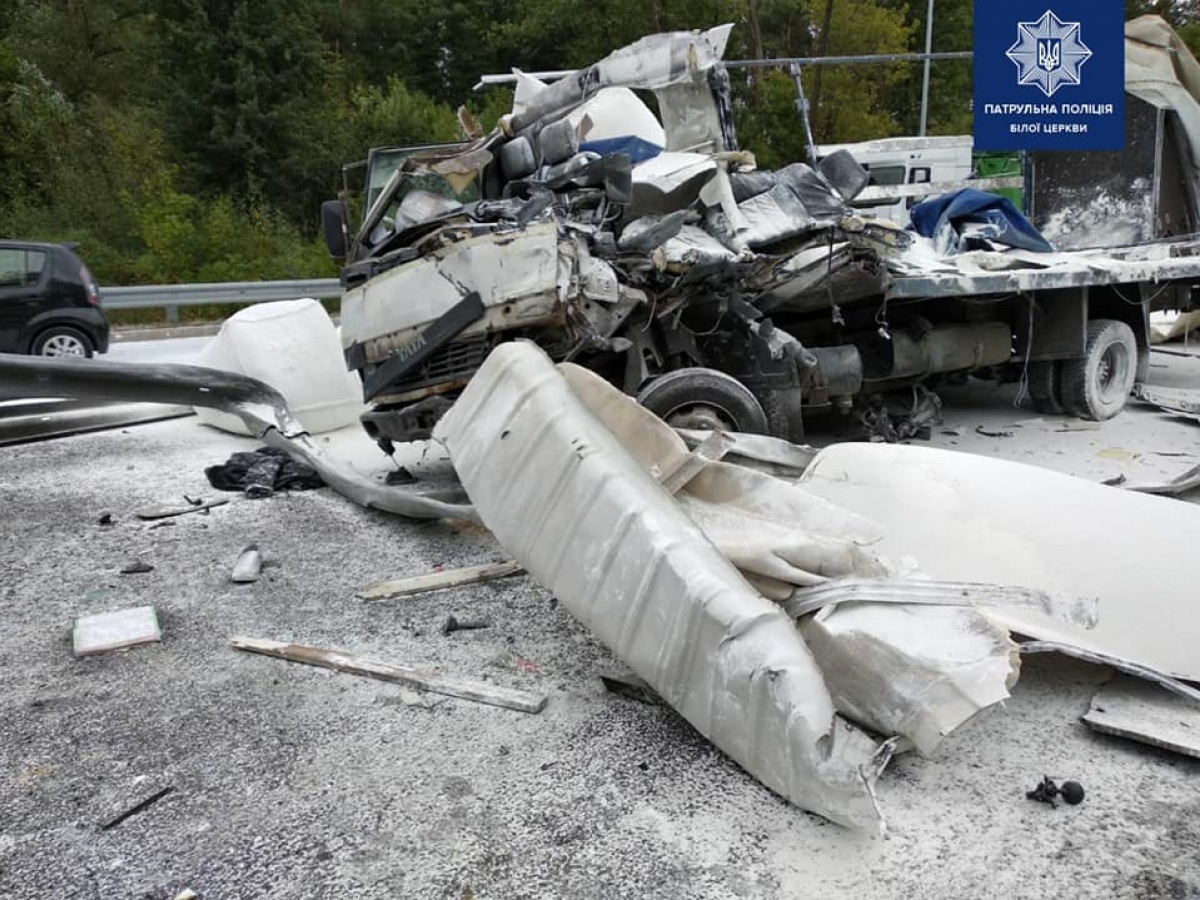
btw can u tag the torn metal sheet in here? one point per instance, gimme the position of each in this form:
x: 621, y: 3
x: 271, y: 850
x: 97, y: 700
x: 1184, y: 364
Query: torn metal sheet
x: 773, y: 455
x: 670, y: 182
x: 652, y: 63
x: 1147, y: 673
x: 258, y: 405
x: 1177, y: 402
x: 644, y: 579
x: 1136, y: 709
x: 694, y: 248
x: 516, y: 274
x: 915, y: 671
x: 968, y: 518
x: 1081, y: 611
x: 1188, y: 480
x: 777, y: 535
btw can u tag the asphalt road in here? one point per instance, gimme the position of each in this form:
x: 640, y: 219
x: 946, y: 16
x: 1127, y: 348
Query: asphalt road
x: 172, y: 350
x: 297, y: 783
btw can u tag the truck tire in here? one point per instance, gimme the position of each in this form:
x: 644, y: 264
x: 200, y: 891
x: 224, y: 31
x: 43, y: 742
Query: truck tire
x: 704, y: 399
x: 1097, y: 386
x: 1045, y: 387
x: 62, y: 340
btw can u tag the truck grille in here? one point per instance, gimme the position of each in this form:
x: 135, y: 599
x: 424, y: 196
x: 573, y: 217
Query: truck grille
x: 456, y: 361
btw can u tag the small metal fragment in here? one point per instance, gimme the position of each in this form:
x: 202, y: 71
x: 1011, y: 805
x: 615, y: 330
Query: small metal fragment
x: 452, y: 624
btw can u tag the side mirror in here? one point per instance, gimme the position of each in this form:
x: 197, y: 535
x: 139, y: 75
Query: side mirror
x: 333, y: 226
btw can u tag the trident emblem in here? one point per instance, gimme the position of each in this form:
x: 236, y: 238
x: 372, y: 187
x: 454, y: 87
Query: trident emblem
x: 1049, y: 54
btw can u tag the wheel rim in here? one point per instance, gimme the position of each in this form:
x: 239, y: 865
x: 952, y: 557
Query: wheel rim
x: 63, y: 345
x: 1112, y: 372
x: 701, y: 417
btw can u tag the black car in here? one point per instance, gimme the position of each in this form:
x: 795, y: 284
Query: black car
x: 49, y: 304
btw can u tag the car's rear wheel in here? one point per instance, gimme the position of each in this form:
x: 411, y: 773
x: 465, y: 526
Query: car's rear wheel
x: 63, y: 341
x: 704, y: 399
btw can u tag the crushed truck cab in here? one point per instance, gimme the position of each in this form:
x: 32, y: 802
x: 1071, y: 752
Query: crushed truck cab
x: 652, y: 250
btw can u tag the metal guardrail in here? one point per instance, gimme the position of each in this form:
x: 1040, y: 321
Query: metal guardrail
x: 173, y: 296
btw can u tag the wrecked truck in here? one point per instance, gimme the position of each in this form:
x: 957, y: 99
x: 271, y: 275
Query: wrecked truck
x: 651, y: 250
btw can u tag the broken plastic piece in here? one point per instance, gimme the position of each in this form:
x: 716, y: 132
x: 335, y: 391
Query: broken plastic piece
x: 249, y: 564
x: 102, y: 632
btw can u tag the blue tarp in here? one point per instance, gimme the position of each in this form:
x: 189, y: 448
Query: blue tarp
x: 942, y: 218
x: 637, y: 149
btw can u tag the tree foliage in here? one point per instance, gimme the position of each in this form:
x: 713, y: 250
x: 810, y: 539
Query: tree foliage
x: 182, y: 140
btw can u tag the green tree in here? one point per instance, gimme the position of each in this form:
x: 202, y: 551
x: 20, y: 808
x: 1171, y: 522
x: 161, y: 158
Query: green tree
x: 241, y: 82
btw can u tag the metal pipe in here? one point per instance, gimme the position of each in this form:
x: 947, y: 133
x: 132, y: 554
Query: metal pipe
x: 925, y: 74
x: 802, y: 107
x: 780, y: 62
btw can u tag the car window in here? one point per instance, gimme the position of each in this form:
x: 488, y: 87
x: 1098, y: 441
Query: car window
x: 19, y: 268
x: 885, y: 174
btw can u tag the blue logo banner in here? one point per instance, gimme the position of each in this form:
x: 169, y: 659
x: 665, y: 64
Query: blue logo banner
x: 1049, y: 74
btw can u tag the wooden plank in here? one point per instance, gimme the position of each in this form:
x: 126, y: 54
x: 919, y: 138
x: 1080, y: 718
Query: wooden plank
x: 436, y: 581
x: 477, y: 691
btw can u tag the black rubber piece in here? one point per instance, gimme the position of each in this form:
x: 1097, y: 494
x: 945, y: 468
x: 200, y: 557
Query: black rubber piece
x: 1045, y: 387
x: 1085, y: 392
x: 1071, y: 792
x: 675, y: 392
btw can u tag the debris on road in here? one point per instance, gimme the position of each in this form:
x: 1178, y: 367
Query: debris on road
x: 261, y: 408
x: 150, y: 513
x: 476, y: 691
x: 1142, y: 711
x: 1048, y: 792
x: 453, y: 624
x: 969, y: 518
x: 400, y: 476
x: 248, y: 565
x: 986, y: 432
x: 118, y: 630
x: 630, y: 687
x: 727, y: 659
x: 436, y: 581
x: 1185, y: 481
x: 106, y: 518
x: 136, y: 567
x: 1182, y: 403
x: 136, y: 808
x: 260, y: 473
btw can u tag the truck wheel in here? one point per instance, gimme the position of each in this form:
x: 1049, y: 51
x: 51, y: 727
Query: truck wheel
x: 704, y: 399
x: 62, y: 341
x: 1097, y: 386
x: 1045, y: 387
